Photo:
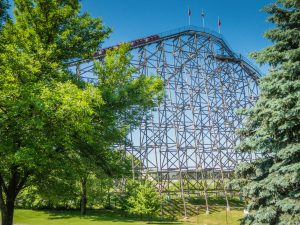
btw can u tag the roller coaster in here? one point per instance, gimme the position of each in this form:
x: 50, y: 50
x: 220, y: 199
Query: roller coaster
x: 186, y: 145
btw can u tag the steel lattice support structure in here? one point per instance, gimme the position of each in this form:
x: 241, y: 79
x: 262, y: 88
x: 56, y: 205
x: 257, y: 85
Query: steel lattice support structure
x: 186, y: 145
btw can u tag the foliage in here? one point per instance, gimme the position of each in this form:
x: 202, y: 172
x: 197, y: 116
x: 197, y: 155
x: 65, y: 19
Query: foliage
x: 3, y: 11
x: 122, y: 197
x: 66, y: 193
x: 145, y: 200
x: 49, y: 120
x: 273, y: 125
x: 61, y: 194
x: 63, y: 191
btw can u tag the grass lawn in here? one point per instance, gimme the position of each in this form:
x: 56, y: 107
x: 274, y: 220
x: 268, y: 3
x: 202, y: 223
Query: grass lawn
x: 219, y: 216
x: 106, y: 217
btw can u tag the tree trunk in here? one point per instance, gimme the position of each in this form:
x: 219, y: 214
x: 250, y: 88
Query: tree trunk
x: 9, y: 193
x: 83, y: 201
x: 7, y: 203
x: 108, y: 200
x: 7, y: 212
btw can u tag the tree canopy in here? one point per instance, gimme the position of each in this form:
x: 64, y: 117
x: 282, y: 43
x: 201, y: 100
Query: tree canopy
x: 48, y: 117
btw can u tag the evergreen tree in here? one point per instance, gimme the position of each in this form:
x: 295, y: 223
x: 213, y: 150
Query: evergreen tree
x: 3, y: 11
x: 272, y: 183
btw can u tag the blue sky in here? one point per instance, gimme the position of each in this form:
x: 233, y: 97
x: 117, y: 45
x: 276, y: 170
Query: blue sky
x: 243, y: 23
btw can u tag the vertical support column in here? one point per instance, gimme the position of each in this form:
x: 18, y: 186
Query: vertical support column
x: 175, y: 111
x: 78, y: 70
x: 219, y: 132
x: 197, y: 147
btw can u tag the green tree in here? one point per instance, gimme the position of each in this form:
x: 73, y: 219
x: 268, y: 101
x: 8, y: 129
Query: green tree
x: 49, y: 118
x: 272, y: 183
x: 84, y: 184
x: 145, y: 200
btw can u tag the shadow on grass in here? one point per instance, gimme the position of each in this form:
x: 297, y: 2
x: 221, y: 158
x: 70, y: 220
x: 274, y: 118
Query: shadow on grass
x: 107, y: 215
x: 158, y: 222
x: 217, y: 201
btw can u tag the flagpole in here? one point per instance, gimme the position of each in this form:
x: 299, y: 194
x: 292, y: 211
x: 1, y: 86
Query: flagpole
x: 203, y: 22
x: 219, y: 25
x: 189, y: 14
